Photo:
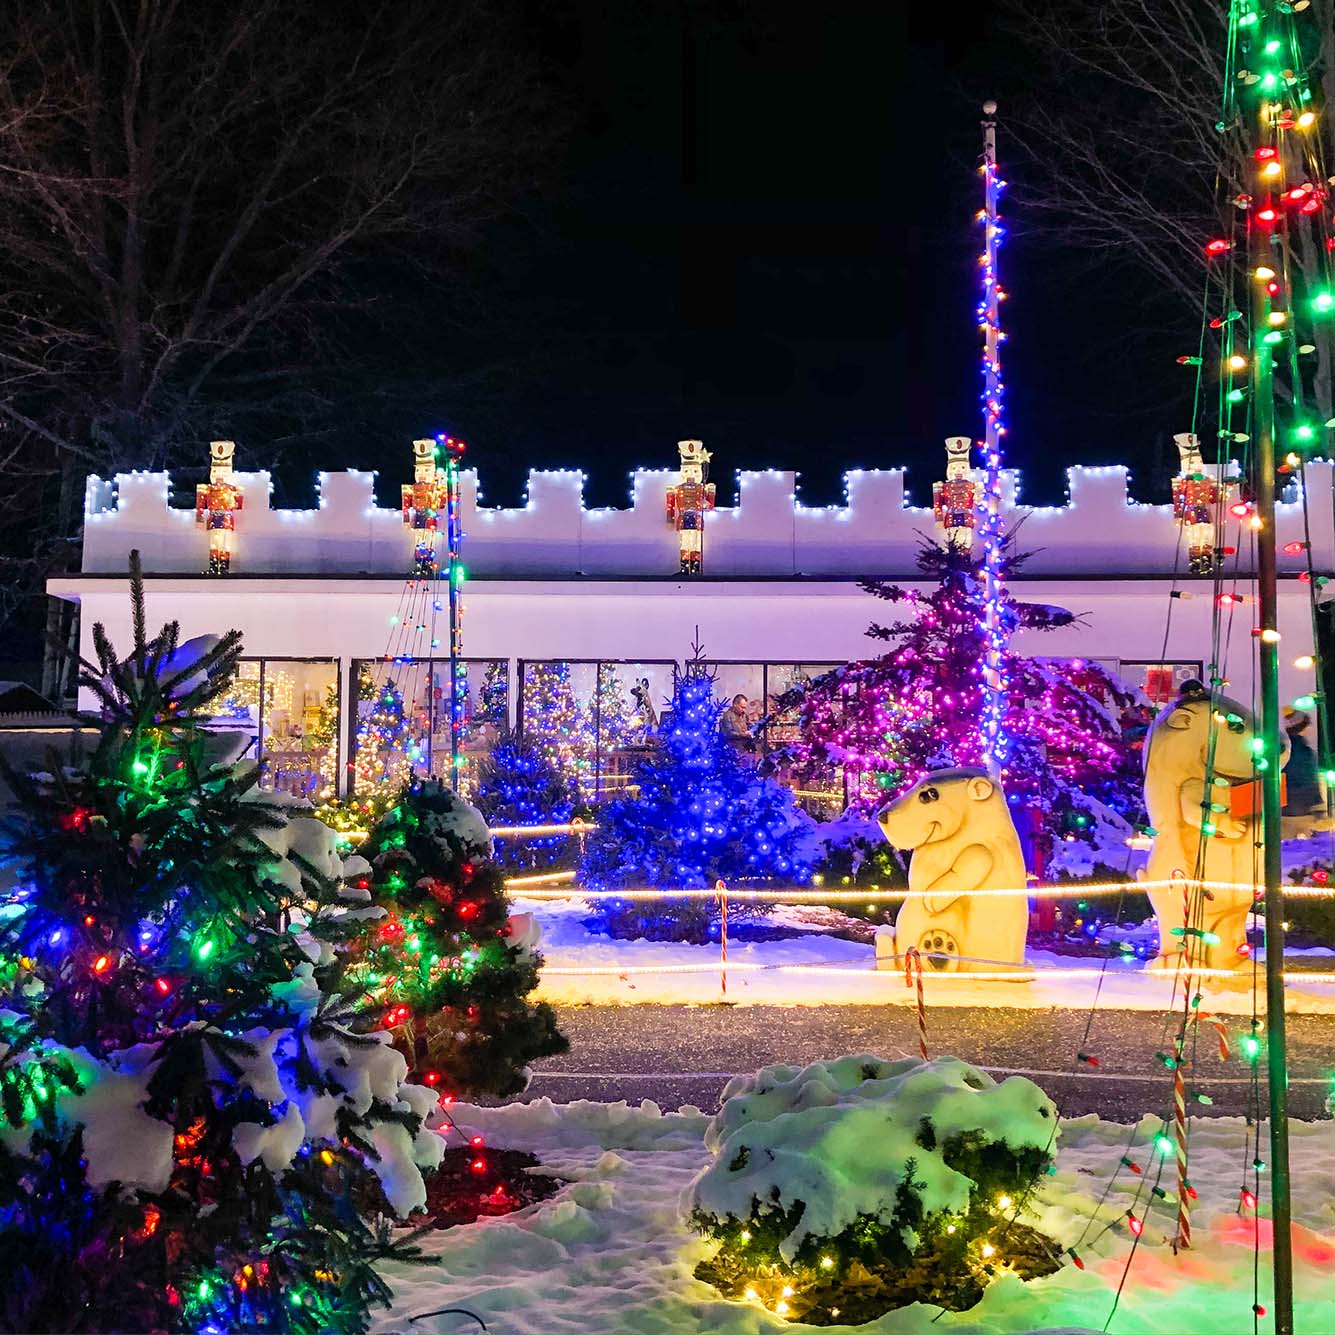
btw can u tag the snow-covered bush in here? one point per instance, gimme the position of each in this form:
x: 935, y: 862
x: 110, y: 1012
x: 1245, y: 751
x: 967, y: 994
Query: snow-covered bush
x: 899, y: 1179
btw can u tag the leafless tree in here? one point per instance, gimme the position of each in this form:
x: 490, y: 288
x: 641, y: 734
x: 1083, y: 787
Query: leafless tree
x: 1132, y: 163
x: 192, y: 196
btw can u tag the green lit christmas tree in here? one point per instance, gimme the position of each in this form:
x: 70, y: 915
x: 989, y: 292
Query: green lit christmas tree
x: 447, y: 969
x: 188, y: 1117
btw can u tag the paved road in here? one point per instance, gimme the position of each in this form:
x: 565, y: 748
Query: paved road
x: 684, y: 1054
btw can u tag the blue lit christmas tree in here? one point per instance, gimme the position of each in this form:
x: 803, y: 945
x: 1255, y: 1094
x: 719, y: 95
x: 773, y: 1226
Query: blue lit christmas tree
x: 700, y: 814
x: 522, y: 786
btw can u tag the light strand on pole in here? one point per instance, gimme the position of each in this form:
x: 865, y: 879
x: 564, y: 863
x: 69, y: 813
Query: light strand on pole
x: 454, y: 450
x: 991, y: 523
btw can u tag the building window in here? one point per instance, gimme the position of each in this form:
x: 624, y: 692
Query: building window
x: 401, y: 722
x: 289, y: 709
x: 592, y: 718
x: 1160, y: 681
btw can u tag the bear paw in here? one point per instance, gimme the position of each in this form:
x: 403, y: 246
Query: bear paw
x: 939, y: 950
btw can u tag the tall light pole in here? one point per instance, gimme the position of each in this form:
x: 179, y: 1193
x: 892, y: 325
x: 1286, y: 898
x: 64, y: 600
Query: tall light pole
x: 991, y: 523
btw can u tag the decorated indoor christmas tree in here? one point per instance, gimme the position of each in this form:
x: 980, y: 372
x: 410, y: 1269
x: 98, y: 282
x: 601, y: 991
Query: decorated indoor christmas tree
x: 188, y: 1116
x: 616, y: 713
x: 700, y: 814
x: 885, y: 721
x: 554, y: 721
x: 446, y: 969
x: 385, y: 748
x: 521, y: 786
x: 493, y: 699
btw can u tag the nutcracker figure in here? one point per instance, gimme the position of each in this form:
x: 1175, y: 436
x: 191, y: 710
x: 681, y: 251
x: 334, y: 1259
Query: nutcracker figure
x: 688, y: 501
x: 426, y: 499
x: 1197, y: 500
x: 216, y: 504
x: 953, y: 500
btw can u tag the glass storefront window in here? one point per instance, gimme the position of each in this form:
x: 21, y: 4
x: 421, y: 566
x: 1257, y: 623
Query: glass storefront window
x: 289, y: 708
x: 401, y: 723
x: 557, y: 714
x: 1159, y: 681
x: 630, y: 703
x: 299, y: 728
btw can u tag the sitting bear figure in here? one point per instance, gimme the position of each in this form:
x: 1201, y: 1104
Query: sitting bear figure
x: 1177, y: 752
x: 959, y: 827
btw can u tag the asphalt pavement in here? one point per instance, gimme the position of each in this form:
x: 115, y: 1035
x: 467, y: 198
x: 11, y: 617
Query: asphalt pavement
x: 677, y: 1055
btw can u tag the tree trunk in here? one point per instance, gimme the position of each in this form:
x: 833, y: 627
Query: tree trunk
x: 62, y: 619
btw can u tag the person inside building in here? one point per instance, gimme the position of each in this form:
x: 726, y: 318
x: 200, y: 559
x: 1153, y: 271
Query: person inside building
x: 735, y: 724
x: 1300, y: 773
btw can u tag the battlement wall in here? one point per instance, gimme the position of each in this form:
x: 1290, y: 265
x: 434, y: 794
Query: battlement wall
x: 769, y: 533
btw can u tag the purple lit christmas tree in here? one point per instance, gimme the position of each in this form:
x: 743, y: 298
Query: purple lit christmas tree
x: 885, y: 721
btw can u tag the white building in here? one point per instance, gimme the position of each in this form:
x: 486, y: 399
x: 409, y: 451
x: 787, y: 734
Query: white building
x: 317, y: 592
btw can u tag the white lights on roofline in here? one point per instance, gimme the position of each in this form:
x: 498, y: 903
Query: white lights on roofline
x: 877, y: 521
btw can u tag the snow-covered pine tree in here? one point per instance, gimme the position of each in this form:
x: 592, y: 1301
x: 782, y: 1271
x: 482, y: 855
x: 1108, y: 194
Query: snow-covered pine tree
x: 700, y: 814
x: 447, y: 968
x: 885, y: 721
x: 188, y: 1115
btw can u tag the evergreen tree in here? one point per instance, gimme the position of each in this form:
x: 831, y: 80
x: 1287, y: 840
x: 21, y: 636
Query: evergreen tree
x: 322, y: 742
x: 615, y: 711
x: 522, y: 787
x: 555, y: 722
x: 700, y: 815
x: 188, y: 1117
x: 385, y: 749
x: 494, y: 696
x: 885, y: 721
x: 446, y: 968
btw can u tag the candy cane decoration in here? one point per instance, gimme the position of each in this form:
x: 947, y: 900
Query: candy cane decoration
x: 721, y: 898
x: 1183, y: 1238
x: 1225, y: 1052
x: 1179, y: 875
x: 912, y: 974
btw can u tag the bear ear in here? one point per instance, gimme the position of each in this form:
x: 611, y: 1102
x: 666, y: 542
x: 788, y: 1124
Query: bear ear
x: 981, y: 789
x: 1179, y: 720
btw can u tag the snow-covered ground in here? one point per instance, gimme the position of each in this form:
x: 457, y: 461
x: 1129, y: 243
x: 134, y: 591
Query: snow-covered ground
x: 817, y: 969
x: 611, y: 1251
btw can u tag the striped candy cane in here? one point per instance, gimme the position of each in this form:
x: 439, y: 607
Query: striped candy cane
x: 1179, y: 875
x: 1183, y: 1238
x: 912, y: 974
x: 721, y: 897
x: 1221, y: 1033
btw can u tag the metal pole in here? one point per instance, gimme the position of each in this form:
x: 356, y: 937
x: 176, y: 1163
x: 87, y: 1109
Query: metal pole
x: 453, y: 538
x: 989, y: 507
x: 1259, y: 255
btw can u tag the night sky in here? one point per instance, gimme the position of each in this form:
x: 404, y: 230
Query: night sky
x: 761, y: 234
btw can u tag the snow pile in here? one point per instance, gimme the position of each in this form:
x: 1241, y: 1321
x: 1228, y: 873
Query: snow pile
x: 581, y: 967
x: 843, y: 1141
x: 613, y: 1252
